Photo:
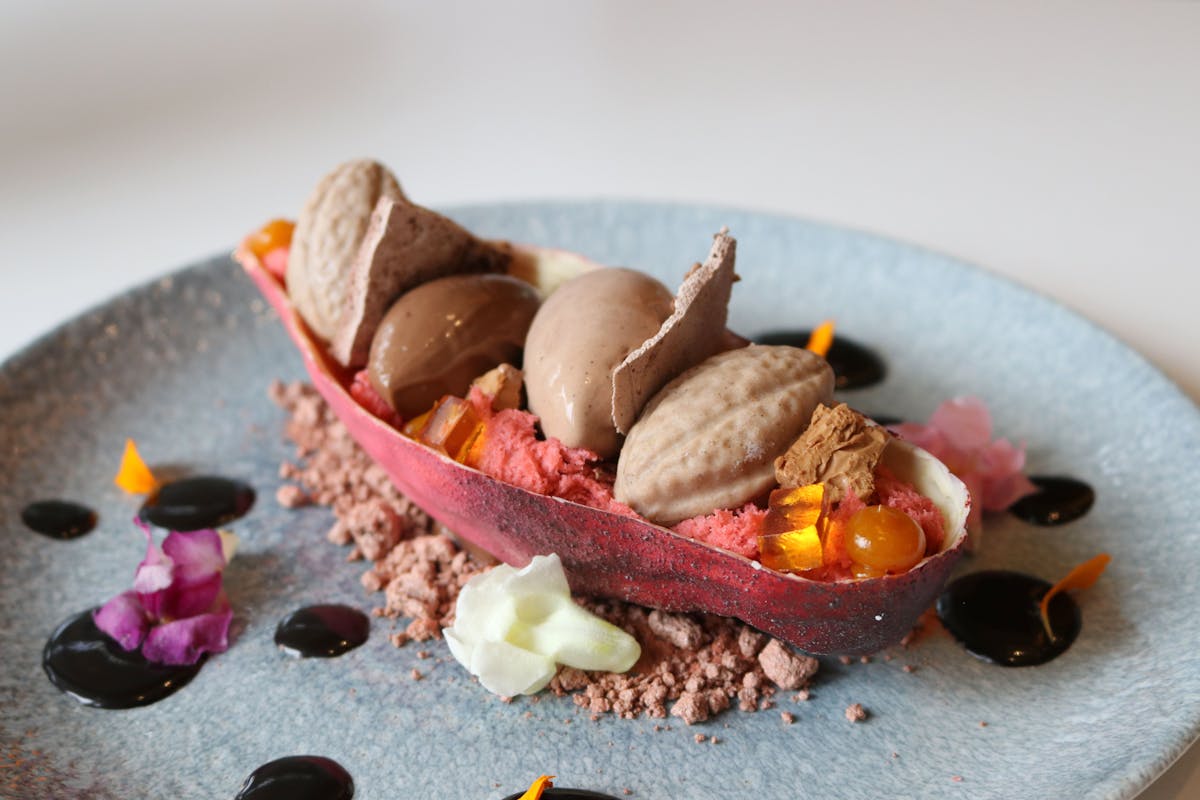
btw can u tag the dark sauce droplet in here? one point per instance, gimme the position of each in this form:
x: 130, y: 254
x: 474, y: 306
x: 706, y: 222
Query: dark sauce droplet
x: 59, y: 519
x: 566, y: 794
x: 195, y: 503
x: 1058, y: 501
x: 87, y: 664
x: 322, y: 631
x: 854, y: 366
x: 298, y: 778
x: 994, y: 614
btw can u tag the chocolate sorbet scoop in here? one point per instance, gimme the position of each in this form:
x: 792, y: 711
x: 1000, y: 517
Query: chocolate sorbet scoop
x: 440, y: 336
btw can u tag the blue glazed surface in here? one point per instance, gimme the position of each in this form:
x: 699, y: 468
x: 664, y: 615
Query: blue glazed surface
x: 182, y: 365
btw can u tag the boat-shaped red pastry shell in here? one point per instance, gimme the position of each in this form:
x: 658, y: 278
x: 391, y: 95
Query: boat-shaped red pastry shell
x: 608, y: 555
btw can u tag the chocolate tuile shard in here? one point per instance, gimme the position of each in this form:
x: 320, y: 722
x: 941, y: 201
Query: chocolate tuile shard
x: 693, y: 332
x: 839, y: 448
x: 405, y: 245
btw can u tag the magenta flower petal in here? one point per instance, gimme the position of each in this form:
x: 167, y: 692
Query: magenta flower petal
x: 184, y: 641
x: 180, y: 600
x: 124, y: 619
x: 154, y: 573
x: 197, y: 555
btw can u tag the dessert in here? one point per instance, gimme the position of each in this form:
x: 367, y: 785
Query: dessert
x: 486, y: 474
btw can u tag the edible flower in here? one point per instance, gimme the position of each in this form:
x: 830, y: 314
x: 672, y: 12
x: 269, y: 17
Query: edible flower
x: 541, y: 784
x: 1081, y: 577
x: 959, y: 434
x: 512, y: 627
x: 821, y: 339
x: 134, y: 476
x: 177, y: 610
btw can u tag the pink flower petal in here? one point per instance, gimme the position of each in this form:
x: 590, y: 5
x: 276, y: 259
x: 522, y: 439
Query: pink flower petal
x: 959, y: 435
x: 124, y: 619
x: 184, y: 641
x: 965, y: 421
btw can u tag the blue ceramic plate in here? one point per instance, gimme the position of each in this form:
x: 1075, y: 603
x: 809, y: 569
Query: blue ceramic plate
x: 183, y: 364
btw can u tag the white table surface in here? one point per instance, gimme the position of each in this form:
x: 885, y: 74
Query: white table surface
x: 1055, y: 144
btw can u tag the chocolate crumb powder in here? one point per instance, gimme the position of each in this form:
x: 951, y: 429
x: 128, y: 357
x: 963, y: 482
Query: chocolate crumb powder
x: 693, y: 666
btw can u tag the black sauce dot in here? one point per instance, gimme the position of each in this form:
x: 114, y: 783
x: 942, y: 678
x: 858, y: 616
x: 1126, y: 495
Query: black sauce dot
x: 854, y: 365
x: 298, y: 778
x: 59, y: 519
x: 322, y: 631
x: 994, y: 614
x: 1059, y: 500
x: 87, y: 664
x: 192, y: 504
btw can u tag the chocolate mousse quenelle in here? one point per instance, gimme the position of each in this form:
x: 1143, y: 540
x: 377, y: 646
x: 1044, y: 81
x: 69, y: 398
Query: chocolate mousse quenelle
x: 650, y: 440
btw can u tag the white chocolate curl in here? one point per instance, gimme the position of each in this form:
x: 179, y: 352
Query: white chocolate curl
x: 513, y: 627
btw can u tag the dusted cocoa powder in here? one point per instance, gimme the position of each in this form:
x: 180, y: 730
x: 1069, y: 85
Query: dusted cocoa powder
x: 693, y: 666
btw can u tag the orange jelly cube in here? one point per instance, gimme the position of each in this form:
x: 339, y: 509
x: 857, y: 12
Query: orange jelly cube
x: 791, y: 538
x: 452, y: 427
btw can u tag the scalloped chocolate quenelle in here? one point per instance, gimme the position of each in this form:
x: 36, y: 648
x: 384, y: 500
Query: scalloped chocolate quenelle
x: 608, y: 555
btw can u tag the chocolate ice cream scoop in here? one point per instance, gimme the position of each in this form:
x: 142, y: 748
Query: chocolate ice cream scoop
x: 443, y: 334
x: 584, y: 330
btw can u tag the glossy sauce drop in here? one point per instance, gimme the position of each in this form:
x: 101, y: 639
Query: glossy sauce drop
x: 322, y: 631
x: 192, y: 504
x: 566, y: 794
x: 995, y: 615
x: 59, y: 519
x: 87, y: 664
x: 298, y: 778
x: 854, y: 366
x: 1059, y: 500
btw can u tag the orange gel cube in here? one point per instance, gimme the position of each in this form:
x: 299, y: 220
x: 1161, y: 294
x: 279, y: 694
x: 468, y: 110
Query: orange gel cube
x: 791, y: 538
x: 451, y: 427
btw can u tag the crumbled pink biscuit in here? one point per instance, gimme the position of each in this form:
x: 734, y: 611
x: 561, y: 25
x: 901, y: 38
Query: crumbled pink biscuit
x: 855, y: 712
x: 787, y: 717
x: 787, y: 669
x: 692, y: 666
x: 290, y: 496
x: 676, y: 629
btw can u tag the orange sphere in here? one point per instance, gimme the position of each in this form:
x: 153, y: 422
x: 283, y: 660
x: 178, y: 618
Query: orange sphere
x: 882, y: 540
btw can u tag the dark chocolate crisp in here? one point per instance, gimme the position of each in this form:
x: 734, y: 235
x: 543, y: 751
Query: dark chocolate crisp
x: 59, y: 519
x: 1059, y: 500
x: 995, y: 615
x: 192, y: 504
x: 87, y: 664
x: 298, y: 778
x: 854, y: 365
x: 322, y: 631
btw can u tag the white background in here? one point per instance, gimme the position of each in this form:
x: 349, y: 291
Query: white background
x: 1053, y: 143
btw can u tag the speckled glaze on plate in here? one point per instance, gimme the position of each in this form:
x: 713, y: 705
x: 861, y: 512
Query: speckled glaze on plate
x: 182, y: 365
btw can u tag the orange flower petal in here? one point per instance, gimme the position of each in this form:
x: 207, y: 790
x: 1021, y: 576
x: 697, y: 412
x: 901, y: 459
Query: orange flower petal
x: 134, y: 476
x: 1081, y: 577
x: 821, y: 339
x: 537, y: 787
